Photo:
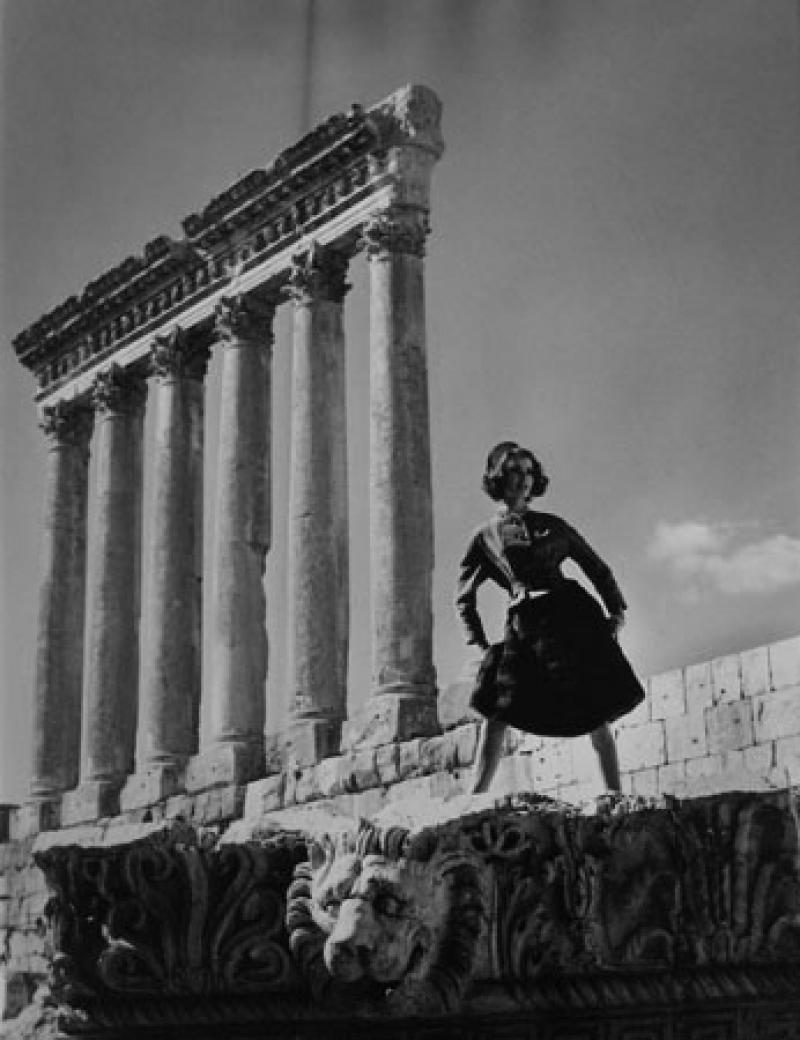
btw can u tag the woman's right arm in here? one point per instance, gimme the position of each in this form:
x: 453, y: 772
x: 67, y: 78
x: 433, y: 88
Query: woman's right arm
x: 471, y: 575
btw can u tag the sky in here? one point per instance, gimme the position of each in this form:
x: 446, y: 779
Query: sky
x: 611, y: 276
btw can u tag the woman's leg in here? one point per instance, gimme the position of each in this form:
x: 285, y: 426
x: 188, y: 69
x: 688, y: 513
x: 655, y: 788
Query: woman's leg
x: 606, y: 747
x: 487, y: 755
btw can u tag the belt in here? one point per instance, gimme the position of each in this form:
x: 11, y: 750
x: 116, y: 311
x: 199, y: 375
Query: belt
x: 522, y: 594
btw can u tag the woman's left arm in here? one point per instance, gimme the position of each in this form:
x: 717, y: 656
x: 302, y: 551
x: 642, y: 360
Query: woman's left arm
x: 598, y: 572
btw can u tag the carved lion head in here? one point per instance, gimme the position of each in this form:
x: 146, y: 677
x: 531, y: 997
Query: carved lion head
x: 377, y: 907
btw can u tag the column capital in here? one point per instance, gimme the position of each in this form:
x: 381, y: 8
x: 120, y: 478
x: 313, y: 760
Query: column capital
x: 179, y: 353
x: 318, y: 273
x: 118, y: 390
x: 396, y: 230
x: 243, y: 317
x: 67, y: 422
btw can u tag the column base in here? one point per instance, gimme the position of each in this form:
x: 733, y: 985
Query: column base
x: 224, y: 764
x: 35, y: 815
x: 152, y: 785
x: 90, y: 801
x: 390, y: 717
x: 304, y: 742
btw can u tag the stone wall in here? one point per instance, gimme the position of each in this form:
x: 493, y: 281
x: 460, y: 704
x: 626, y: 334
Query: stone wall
x: 732, y: 723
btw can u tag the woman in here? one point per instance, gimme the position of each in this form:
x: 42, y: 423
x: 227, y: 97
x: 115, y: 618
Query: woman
x: 559, y: 670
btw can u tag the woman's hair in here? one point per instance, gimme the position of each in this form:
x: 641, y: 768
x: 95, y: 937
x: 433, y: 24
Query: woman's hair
x: 494, y: 477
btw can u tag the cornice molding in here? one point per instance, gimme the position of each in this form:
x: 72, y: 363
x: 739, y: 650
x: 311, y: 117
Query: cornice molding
x: 337, y: 165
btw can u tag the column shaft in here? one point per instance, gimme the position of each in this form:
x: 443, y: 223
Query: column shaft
x: 59, y: 641
x: 242, y: 530
x: 318, y: 548
x: 401, y: 517
x: 109, y: 706
x: 402, y: 704
x: 171, y: 647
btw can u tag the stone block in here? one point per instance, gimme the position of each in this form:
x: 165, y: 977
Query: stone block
x: 787, y: 760
x: 32, y: 817
x: 263, y: 796
x: 730, y: 726
x: 438, y: 754
x: 699, y: 690
x: 726, y: 679
x: 686, y: 736
x: 515, y: 775
x: 6, y: 812
x: 415, y: 788
x: 777, y: 714
x: 585, y: 768
x: 224, y: 764
x: 671, y: 777
x: 755, y: 671
x: 307, y: 785
x: 453, y: 704
x: 333, y: 776
x: 784, y: 663
x: 16, y: 992
x: 760, y: 758
x: 640, y: 714
x: 667, y: 695
x: 552, y: 765
x: 644, y: 783
x: 410, y: 761
x: 309, y: 741
x: 90, y: 801
x: 364, y: 769
x: 466, y: 743
x: 387, y: 763
x: 369, y: 803
x: 180, y: 807
x: 642, y: 747
x: 152, y: 785
x: 388, y: 718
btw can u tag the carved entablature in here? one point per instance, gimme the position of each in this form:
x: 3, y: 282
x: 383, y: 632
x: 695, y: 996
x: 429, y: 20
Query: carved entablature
x: 118, y: 390
x: 338, y: 169
x: 170, y: 913
x: 319, y: 273
x: 686, y: 913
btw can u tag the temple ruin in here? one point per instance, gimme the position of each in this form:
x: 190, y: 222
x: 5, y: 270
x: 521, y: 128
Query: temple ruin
x: 333, y: 878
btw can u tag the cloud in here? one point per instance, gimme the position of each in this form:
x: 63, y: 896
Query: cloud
x: 706, y: 555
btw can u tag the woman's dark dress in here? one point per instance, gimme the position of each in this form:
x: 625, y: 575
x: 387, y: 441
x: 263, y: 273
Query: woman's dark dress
x: 558, y: 671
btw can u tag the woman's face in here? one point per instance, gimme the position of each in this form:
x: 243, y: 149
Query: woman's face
x: 517, y: 478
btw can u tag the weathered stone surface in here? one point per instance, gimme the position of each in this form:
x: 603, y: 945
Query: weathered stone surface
x: 242, y: 536
x: 784, y: 663
x: 151, y: 785
x: 318, y: 595
x: 730, y: 726
x: 91, y: 800
x: 221, y: 764
x: 390, y: 718
x: 726, y: 679
x: 171, y: 636
x: 60, y: 624
x: 667, y: 695
x: 401, y: 518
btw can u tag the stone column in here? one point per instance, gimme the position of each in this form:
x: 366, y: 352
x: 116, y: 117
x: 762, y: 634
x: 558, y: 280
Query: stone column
x: 59, y: 641
x: 243, y: 531
x: 402, y: 704
x: 318, y: 599
x: 171, y: 636
x: 112, y: 650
